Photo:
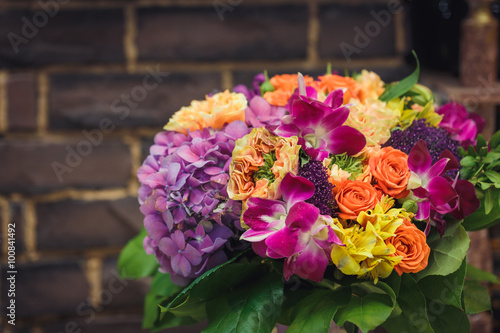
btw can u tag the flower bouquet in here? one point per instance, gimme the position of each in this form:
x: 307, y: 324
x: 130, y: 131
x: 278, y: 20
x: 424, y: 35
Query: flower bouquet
x: 309, y: 201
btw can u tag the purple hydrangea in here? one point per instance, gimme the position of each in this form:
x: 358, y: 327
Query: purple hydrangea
x: 315, y: 172
x: 436, y: 139
x: 188, y: 217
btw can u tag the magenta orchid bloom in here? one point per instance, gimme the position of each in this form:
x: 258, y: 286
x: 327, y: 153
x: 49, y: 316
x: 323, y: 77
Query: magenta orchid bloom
x: 436, y: 193
x: 291, y: 229
x: 462, y: 126
x: 319, y: 125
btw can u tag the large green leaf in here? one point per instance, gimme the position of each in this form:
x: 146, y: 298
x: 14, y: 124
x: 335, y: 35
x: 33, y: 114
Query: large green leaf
x: 413, y: 317
x: 369, y: 307
x: 133, y: 262
x: 162, y: 288
x: 476, y: 274
x: 448, y: 252
x: 254, y: 307
x: 400, y: 88
x: 315, y: 312
x: 479, y: 219
x: 224, y: 280
x: 476, y: 297
x: 289, y: 308
x: 447, y: 318
x: 445, y: 289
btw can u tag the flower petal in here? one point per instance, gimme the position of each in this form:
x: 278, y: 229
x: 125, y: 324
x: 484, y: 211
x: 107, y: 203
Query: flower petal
x: 345, y: 139
x: 419, y: 159
x: 302, y: 216
x: 295, y: 189
x: 283, y: 242
x: 440, y: 191
x: 311, y: 263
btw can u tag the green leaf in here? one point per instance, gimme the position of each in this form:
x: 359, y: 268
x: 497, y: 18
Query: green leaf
x: 315, y: 312
x: 493, y: 176
x: 476, y: 274
x: 468, y: 161
x: 448, y: 252
x: 400, y: 88
x: 161, y: 289
x: 413, y: 317
x: 481, y: 142
x: 476, y: 297
x: 133, y: 262
x: 488, y: 202
x: 495, y: 140
x: 447, y: 318
x: 369, y: 307
x: 445, y: 289
x: 253, y: 308
x: 289, y: 308
x: 479, y: 219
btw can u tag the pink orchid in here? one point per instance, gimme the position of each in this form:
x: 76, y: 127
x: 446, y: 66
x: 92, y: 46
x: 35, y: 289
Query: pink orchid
x: 436, y: 193
x: 291, y: 229
x: 462, y: 126
x: 319, y: 125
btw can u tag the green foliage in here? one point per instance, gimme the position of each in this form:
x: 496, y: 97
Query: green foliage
x: 133, y: 262
x: 351, y: 164
x: 315, y: 312
x: 369, y: 307
x: 476, y: 274
x: 476, y: 297
x: 403, y: 86
x: 254, y: 307
x: 447, y: 318
x: 447, y: 252
x: 481, y: 166
x: 266, y: 86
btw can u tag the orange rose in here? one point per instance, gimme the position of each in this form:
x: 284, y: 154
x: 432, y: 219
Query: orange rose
x: 355, y: 197
x: 389, y: 168
x: 278, y: 97
x: 328, y: 83
x: 410, y: 243
x: 289, y: 81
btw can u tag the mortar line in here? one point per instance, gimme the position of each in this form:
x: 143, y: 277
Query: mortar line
x: 93, y: 273
x: 313, y: 33
x: 30, y: 227
x: 4, y: 117
x: 84, y: 195
x: 43, y: 103
x: 129, y: 38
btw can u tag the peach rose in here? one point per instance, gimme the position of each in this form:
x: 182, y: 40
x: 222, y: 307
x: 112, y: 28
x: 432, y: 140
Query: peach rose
x: 215, y: 111
x: 278, y: 97
x: 355, y: 197
x: 330, y: 82
x: 289, y: 81
x: 371, y: 86
x: 389, y: 168
x: 410, y: 243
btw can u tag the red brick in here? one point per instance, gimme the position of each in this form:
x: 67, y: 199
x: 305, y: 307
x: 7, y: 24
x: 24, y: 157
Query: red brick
x: 246, y: 32
x: 29, y: 166
x: 338, y: 24
x: 17, y: 218
x: 48, y: 288
x: 127, y: 294
x: 77, y: 225
x: 70, y: 36
x: 22, y: 101
x: 83, y: 100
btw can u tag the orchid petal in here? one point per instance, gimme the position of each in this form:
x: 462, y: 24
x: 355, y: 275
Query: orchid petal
x: 440, y: 191
x: 283, y: 242
x: 311, y: 263
x: 424, y: 210
x: 302, y: 215
x: 419, y: 159
x: 295, y: 189
x: 345, y: 139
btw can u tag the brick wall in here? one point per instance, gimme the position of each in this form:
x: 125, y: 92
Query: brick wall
x: 82, y: 92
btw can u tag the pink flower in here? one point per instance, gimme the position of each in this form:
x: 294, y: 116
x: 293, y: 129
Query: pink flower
x: 462, y: 126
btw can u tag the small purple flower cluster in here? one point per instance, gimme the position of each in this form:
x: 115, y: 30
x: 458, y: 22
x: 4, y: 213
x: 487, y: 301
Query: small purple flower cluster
x: 436, y: 138
x: 316, y: 173
x: 188, y: 216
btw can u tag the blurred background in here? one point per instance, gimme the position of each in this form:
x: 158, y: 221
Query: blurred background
x: 85, y: 85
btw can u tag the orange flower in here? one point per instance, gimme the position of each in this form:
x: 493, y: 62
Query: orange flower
x: 389, y: 168
x: 278, y: 97
x: 330, y: 82
x: 288, y: 82
x: 410, y: 243
x: 355, y: 197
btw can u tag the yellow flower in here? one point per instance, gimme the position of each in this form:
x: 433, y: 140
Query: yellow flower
x: 371, y: 86
x: 366, y: 253
x: 374, y: 119
x: 215, y: 111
